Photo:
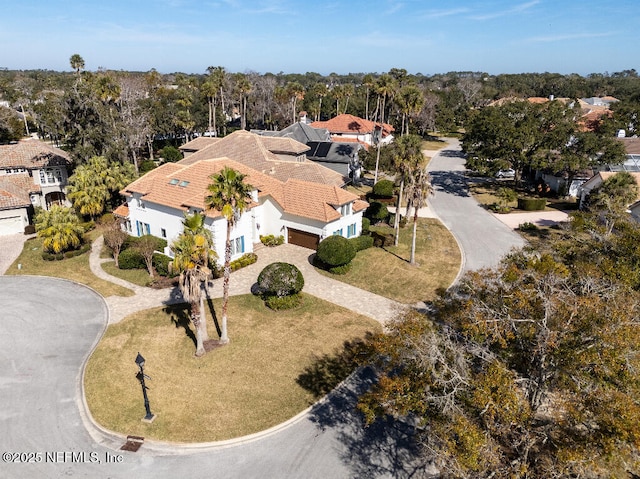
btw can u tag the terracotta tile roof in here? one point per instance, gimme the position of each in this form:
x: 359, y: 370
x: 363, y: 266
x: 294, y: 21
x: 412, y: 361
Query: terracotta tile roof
x: 351, y: 124
x: 199, y: 143
x: 32, y: 153
x: 14, y: 191
x: 250, y: 150
x: 302, y: 198
x: 122, y: 211
x: 277, y: 144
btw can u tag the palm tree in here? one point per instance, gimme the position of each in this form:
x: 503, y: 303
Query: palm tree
x: 408, y: 157
x: 419, y: 189
x: 243, y: 88
x: 230, y: 195
x: 193, y: 252
x: 410, y: 100
x: 385, y: 87
x: 295, y: 92
x: 77, y: 63
x: 368, y: 82
x: 60, y: 228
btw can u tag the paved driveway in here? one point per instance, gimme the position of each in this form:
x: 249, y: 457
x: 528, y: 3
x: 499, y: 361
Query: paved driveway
x: 10, y: 249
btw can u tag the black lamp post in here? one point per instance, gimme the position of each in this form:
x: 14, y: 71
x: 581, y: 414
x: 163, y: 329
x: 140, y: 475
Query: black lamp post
x: 141, y: 377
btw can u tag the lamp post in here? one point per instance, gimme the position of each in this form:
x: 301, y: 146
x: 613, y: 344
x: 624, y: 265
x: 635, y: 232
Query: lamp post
x: 149, y: 417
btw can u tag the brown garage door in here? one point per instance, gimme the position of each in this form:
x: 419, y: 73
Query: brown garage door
x: 302, y: 238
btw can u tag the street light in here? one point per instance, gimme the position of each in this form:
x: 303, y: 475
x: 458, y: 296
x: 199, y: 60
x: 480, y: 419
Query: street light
x: 141, y: 376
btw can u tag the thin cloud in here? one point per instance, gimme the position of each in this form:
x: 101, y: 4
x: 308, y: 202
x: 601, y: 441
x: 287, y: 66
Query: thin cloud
x: 393, y: 8
x: 509, y: 11
x: 570, y: 36
x: 444, y: 13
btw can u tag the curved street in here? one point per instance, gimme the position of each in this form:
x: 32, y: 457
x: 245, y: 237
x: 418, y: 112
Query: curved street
x: 51, y: 325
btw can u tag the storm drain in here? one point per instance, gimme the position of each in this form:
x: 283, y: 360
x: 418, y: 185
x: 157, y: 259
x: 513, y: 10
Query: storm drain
x: 133, y: 443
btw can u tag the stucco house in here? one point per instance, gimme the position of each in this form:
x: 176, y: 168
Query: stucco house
x: 32, y: 173
x: 340, y: 156
x: 599, y: 178
x: 283, y: 158
x: 304, y: 212
x: 352, y: 128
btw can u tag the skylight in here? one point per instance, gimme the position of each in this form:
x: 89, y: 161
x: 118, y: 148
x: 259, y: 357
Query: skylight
x: 174, y: 181
x: 183, y: 183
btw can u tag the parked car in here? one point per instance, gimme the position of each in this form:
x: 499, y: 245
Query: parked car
x: 508, y: 173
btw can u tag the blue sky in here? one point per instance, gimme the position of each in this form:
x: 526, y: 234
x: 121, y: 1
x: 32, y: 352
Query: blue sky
x: 298, y: 36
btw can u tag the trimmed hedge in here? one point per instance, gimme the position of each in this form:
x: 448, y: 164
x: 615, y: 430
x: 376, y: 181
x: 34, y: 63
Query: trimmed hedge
x: 532, y: 204
x: 280, y: 279
x: 161, y: 265
x: 366, y: 225
x: 271, y: 240
x: 361, y: 242
x: 67, y: 254
x: 335, y: 251
x: 384, y: 188
x: 377, y: 211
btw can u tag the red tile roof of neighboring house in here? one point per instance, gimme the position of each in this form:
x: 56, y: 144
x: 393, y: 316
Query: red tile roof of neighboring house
x: 251, y: 150
x: 32, y: 153
x: 122, y: 211
x: 301, y: 198
x: 351, y: 124
x: 199, y: 143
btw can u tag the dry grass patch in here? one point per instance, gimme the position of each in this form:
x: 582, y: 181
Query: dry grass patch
x: 75, y: 269
x: 387, y: 272
x: 242, y: 388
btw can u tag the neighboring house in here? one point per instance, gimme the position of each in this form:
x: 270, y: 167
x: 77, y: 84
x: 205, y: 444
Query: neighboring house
x: 281, y: 158
x: 304, y: 212
x: 32, y: 174
x: 596, y: 180
x: 340, y: 156
x: 344, y: 127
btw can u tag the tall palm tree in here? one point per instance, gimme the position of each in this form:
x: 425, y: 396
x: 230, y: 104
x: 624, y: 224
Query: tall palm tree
x: 230, y: 195
x: 60, y: 228
x: 385, y: 88
x: 410, y: 100
x: 243, y: 88
x: 188, y: 260
x: 77, y: 63
x: 368, y: 82
x: 419, y: 189
x: 408, y: 156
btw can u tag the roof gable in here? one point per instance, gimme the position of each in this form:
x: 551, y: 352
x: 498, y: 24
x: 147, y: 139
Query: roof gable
x: 32, y: 154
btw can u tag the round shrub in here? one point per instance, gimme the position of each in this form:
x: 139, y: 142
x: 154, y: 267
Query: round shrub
x: 131, y: 259
x: 377, y: 211
x: 384, y: 188
x: 335, y: 251
x: 280, y: 279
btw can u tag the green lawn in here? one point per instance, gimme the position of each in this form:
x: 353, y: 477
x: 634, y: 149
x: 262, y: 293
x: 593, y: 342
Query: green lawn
x: 242, y: 388
x: 387, y: 272
x: 75, y: 269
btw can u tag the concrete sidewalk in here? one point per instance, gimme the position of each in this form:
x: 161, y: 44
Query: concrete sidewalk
x: 363, y: 302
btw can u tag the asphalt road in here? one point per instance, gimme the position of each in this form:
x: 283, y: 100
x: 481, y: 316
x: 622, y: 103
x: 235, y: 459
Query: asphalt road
x: 483, y: 239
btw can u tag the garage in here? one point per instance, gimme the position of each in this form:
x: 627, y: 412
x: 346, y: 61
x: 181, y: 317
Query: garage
x: 11, y: 225
x: 302, y: 238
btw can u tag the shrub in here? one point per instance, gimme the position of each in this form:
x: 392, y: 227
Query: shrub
x: 131, y: 259
x: 528, y: 226
x: 532, y: 204
x: 30, y: 229
x: 361, y: 242
x: 170, y: 154
x: 161, y: 265
x: 131, y: 241
x: 283, y: 302
x: 245, y: 260
x: 335, y: 251
x: 384, y: 188
x: 271, y: 240
x: 377, y: 211
x: 280, y: 279
x: 366, y: 225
